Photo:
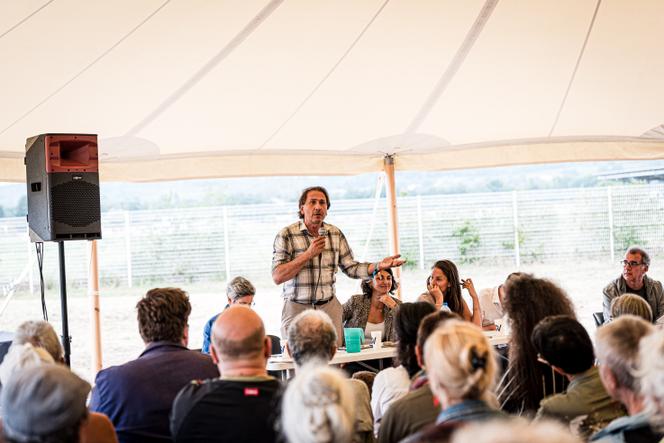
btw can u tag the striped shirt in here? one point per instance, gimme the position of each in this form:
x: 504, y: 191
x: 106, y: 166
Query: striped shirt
x: 316, y: 279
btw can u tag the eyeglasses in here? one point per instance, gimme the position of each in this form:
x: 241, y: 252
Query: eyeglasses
x: 630, y: 264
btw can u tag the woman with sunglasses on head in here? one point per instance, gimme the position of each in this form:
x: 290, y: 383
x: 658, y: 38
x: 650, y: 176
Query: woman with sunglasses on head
x: 373, y: 310
x: 444, y: 289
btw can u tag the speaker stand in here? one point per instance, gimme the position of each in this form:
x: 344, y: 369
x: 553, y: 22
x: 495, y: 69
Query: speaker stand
x: 66, y: 339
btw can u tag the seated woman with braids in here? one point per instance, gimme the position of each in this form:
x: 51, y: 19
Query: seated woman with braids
x: 461, y: 366
x: 444, y: 290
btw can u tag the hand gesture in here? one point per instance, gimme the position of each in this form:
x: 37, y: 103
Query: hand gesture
x: 436, y: 293
x: 387, y: 301
x: 468, y: 284
x: 391, y: 262
x: 316, y: 246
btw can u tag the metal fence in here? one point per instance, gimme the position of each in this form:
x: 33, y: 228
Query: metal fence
x: 212, y: 243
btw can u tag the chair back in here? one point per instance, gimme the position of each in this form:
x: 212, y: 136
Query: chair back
x: 599, y: 318
x: 276, y: 344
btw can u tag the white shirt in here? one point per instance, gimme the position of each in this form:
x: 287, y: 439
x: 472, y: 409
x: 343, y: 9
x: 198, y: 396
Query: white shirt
x: 389, y: 385
x: 370, y: 327
x: 490, y: 305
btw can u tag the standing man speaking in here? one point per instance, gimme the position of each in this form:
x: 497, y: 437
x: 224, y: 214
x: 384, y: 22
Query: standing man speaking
x: 306, y: 257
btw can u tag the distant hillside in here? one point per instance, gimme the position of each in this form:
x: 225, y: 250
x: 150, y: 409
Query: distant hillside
x: 270, y: 189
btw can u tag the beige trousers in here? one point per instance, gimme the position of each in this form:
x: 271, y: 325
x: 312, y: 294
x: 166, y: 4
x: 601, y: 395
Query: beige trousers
x: 291, y: 310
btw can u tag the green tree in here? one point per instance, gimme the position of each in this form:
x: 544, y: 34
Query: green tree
x: 469, y: 241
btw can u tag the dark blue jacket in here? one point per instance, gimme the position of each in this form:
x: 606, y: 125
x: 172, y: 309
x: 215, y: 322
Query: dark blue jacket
x: 138, y: 395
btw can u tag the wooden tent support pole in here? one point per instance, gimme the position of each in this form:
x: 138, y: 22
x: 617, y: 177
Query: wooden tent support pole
x: 393, y: 224
x: 95, y: 322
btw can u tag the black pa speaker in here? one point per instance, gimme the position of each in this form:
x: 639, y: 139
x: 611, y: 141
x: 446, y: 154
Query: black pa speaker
x: 63, y: 187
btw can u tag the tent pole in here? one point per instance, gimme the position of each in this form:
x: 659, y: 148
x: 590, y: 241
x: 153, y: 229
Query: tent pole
x: 392, y: 226
x: 93, y: 292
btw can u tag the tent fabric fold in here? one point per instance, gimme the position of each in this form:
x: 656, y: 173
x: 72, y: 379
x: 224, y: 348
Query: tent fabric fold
x: 329, y: 88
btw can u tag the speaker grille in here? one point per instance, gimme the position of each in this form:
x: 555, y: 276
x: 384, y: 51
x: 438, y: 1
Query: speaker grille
x: 75, y: 203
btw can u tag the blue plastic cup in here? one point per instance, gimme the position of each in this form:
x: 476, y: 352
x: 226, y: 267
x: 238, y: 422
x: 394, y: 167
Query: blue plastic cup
x: 353, y: 338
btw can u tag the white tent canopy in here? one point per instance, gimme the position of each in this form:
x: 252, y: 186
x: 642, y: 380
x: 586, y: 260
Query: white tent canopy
x: 195, y: 89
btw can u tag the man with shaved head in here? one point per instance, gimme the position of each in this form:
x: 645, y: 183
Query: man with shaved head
x: 238, y: 405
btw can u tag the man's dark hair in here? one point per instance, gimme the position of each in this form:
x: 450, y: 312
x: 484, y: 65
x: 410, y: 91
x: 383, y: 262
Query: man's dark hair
x: 406, y: 323
x: 303, y: 198
x: 564, y: 342
x: 163, y: 315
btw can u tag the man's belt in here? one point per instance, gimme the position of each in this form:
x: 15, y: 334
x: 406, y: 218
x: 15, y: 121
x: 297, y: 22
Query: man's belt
x: 314, y: 303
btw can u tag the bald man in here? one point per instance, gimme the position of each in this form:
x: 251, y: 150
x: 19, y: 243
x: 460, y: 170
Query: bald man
x: 237, y: 406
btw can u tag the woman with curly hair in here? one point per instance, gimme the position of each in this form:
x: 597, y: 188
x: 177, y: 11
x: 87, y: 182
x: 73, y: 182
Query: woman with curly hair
x: 444, y: 288
x: 373, y: 310
x: 526, y: 381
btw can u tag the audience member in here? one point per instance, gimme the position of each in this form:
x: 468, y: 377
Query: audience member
x: 96, y: 428
x: 444, y: 290
x: 373, y: 310
x: 239, y: 291
x: 44, y: 403
x: 418, y: 407
x: 618, y: 356
x: 237, y: 406
x: 392, y: 383
x: 491, y: 304
x: 526, y: 381
x: 462, y: 373
x: 635, y: 281
x: 20, y: 357
x: 137, y: 396
x: 318, y: 406
x: 514, y: 430
x: 40, y: 334
x: 312, y: 340
x: 651, y: 376
x: 563, y: 343
x: 631, y: 304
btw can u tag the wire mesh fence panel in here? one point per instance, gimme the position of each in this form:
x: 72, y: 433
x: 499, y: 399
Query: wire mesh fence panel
x: 174, y: 246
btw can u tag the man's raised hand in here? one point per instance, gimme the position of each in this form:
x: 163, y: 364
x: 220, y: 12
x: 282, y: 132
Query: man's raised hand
x: 391, y: 262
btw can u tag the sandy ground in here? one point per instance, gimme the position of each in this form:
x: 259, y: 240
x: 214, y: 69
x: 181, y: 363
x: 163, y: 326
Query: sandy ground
x: 582, y: 279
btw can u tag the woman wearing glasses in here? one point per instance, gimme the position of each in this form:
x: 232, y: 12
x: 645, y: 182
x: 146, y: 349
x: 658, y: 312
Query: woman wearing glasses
x: 239, y: 291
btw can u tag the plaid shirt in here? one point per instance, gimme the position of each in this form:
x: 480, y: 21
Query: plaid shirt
x: 316, y: 279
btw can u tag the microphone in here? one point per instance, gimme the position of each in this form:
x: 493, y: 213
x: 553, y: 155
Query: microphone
x: 322, y: 232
